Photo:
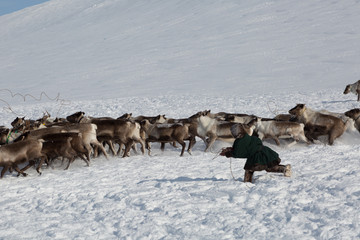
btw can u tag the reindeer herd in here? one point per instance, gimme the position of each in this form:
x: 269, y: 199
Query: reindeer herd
x: 36, y: 142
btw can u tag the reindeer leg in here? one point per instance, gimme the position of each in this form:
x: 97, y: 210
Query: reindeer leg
x: 31, y: 163
x: 162, y: 146
x: 211, y: 142
x: 133, y: 147
x: 148, y: 147
x: 183, y: 145
x: 192, y: 142
x: 120, y: 148
x: 85, y: 160
x: 111, y: 146
x: 142, y: 143
x: 19, y: 171
x: 96, y: 151
x: 277, y: 141
x: 3, y: 171
x: 101, y: 148
x: 71, y: 160
x: 40, y: 164
x: 127, y: 148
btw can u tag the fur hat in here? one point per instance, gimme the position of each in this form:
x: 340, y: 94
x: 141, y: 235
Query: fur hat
x: 238, y: 130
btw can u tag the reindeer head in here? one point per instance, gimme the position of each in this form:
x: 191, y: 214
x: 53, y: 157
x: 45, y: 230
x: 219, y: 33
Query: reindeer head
x: 159, y: 119
x: 353, y: 113
x: 347, y: 89
x: 239, y: 130
x: 145, y: 124
x: 297, y: 110
x: 18, y: 122
x: 46, y: 116
x: 76, y: 117
x: 125, y: 116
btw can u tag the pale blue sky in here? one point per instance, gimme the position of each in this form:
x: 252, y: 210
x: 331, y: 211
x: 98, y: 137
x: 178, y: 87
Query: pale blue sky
x: 9, y: 6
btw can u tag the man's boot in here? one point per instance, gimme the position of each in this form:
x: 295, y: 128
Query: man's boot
x: 287, y: 170
x: 248, y: 176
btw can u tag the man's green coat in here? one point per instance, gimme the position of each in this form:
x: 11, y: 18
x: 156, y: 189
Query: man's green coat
x: 251, y: 148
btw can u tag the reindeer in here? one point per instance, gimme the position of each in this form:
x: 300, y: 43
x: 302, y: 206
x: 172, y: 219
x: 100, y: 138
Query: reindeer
x: 21, y: 152
x: 353, y: 88
x: 124, y: 132
x: 321, y: 124
x: 153, y: 120
x: 23, y: 125
x: 167, y: 133
x: 275, y: 129
x: 4, y: 133
x: 355, y: 115
x: 348, y: 121
x: 87, y: 130
x: 67, y: 145
x: 76, y: 117
x: 232, y: 117
x: 209, y: 129
x: 286, y: 118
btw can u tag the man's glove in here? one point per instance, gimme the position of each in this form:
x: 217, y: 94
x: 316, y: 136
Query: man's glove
x: 227, y: 152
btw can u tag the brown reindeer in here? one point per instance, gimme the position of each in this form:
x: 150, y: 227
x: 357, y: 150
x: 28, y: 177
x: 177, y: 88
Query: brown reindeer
x: 23, y: 125
x: 321, y: 124
x: 21, y: 152
x: 167, y: 133
x: 355, y: 115
x: 87, y: 130
x: 123, y: 132
x: 274, y: 129
x: 4, y: 134
x: 76, y: 117
x: 210, y: 129
x: 69, y: 145
x: 353, y: 88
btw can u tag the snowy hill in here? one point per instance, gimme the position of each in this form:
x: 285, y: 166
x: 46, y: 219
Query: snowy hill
x: 125, y: 49
x: 109, y: 57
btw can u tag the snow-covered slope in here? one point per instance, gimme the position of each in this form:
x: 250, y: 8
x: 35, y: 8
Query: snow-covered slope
x: 125, y: 48
x: 154, y: 57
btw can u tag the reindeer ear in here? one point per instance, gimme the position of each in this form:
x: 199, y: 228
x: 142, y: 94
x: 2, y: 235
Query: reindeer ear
x: 230, y: 118
x: 300, y: 105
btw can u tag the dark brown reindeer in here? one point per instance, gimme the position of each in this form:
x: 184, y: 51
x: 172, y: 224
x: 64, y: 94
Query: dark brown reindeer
x: 353, y: 88
x: 76, y: 117
x: 318, y: 123
x: 69, y: 145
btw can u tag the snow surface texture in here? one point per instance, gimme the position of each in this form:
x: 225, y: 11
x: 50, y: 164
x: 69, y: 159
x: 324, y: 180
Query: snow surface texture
x: 110, y: 57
